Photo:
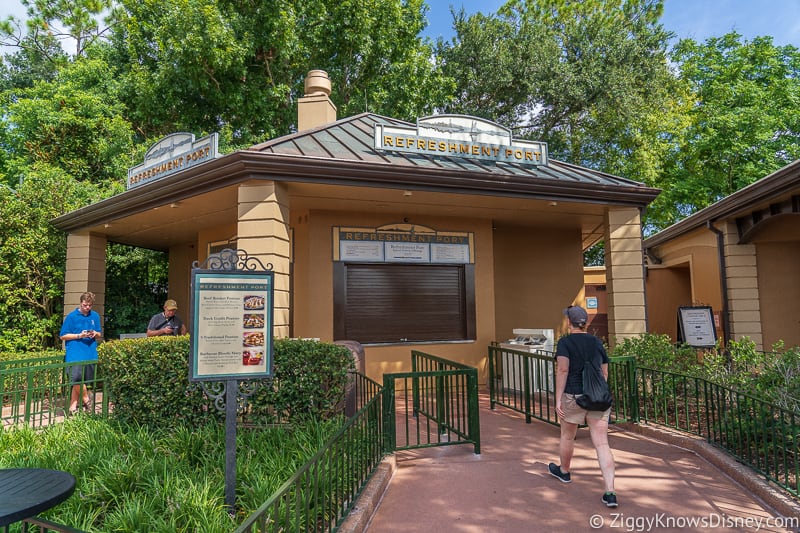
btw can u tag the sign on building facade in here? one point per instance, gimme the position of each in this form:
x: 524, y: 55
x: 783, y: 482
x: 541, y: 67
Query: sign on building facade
x: 460, y: 136
x: 172, y: 154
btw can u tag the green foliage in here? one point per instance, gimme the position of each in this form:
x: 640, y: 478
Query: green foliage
x: 51, y: 22
x: 734, y: 366
x: 74, y: 124
x: 310, y: 380
x: 32, y: 255
x: 779, y: 378
x: 773, y: 376
x: 586, y: 77
x: 658, y: 352
x: 136, y: 288
x: 131, y: 478
x: 743, y: 121
x: 595, y: 255
x: 7, y: 356
x: 238, y: 68
x: 148, y: 382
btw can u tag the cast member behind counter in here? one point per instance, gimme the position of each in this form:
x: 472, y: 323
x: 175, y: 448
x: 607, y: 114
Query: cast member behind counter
x: 166, y: 322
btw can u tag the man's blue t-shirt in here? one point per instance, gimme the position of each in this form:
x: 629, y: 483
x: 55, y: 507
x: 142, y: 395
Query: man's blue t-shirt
x: 80, y: 349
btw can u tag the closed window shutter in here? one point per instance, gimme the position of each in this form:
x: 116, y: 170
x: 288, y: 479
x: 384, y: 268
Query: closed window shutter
x: 405, y: 303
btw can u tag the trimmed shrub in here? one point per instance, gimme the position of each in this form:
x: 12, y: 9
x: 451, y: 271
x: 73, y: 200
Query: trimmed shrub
x: 148, y: 382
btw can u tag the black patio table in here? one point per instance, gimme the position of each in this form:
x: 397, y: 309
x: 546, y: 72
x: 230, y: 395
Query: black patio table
x: 26, y: 492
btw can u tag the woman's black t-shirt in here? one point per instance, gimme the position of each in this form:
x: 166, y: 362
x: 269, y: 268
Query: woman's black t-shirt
x: 579, y: 347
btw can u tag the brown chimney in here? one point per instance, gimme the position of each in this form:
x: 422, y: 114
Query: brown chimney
x: 315, y: 107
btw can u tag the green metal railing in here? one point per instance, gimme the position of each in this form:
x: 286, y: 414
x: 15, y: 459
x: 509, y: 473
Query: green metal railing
x: 524, y: 381
x: 756, y: 432
x: 321, y: 493
x: 39, y: 394
x: 441, y: 409
x: 436, y: 404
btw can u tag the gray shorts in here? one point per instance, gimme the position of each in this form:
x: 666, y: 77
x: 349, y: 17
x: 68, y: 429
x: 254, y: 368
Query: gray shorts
x: 575, y: 414
x: 81, y: 374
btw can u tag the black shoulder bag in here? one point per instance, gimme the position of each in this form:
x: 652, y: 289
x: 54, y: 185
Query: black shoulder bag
x: 596, y: 394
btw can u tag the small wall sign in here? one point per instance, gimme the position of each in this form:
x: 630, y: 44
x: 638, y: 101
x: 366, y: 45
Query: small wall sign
x: 696, y: 326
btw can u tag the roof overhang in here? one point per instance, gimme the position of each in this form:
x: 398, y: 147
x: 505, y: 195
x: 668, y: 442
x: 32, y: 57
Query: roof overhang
x: 248, y: 165
x: 776, y: 187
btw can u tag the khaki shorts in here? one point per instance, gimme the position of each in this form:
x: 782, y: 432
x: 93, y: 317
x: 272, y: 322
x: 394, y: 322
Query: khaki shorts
x: 575, y: 414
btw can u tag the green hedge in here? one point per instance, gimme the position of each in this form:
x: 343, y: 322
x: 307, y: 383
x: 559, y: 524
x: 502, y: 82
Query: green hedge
x: 148, y: 382
x: 34, y: 356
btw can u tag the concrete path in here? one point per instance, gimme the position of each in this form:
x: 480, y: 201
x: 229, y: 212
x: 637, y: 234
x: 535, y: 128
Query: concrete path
x: 661, y: 486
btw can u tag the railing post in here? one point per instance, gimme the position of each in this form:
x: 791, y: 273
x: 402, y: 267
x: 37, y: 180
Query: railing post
x: 492, y: 372
x: 441, y: 408
x: 29, y: 395
x: 389, y: 418
x: 474, y: 410
x: 414, y: 382
x: 526, y: 386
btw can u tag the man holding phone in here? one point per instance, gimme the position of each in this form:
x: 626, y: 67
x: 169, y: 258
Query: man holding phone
x: 167, y: 322
x: 79, y: 331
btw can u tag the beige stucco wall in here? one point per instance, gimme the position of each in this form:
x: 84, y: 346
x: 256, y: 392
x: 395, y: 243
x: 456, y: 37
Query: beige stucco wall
x: 313, y: 288
x: 779, y: 292
x: 777, y: 244
x: 539, y: 272
x: 688, y: 275
x: 179, y: 279
x: 667, y: 290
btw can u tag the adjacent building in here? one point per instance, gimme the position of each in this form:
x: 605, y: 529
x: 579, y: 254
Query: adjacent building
x: 739, y: 256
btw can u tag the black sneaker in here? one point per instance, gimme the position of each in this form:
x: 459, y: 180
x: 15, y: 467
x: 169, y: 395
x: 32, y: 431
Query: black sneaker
x: 610, y: 499
x: 555, y: 471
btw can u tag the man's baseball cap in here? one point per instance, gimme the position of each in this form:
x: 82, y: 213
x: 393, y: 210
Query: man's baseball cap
x: 577, y: 315
x: 171, y: 305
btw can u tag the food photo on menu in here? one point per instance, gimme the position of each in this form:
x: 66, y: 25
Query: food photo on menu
x: 253, y: 321
x: 253, y: 356
x: 253, y: 302
x: 253, y: 341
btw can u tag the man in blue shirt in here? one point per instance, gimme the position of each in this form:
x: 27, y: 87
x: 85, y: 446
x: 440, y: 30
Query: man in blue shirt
x: 80, y: 331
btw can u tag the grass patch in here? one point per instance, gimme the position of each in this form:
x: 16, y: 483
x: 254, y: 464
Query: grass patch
x: 131, y: 478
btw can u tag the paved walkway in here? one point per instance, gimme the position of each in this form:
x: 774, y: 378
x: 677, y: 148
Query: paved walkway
x: 661, y: 486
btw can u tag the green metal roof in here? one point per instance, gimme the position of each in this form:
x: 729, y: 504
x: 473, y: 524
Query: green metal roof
x: 352, y: 139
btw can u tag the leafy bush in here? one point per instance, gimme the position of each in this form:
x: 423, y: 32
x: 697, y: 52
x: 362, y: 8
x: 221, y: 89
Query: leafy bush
x: 658, y: 352
x: 772, y: 375
x: 148, y: 382
x: 12, y: 355
x: 779, y: 378
x: 310, y: 380
x: 133, y: 478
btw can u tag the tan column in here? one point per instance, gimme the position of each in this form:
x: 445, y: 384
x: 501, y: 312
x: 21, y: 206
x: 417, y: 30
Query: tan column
x: 744, y: 308
x: 624, y: 274
x: 263, y: 232
x: 85, y: 271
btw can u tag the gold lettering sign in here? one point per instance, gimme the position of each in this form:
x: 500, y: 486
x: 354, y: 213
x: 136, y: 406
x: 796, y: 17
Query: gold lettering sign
x: 460, y: 137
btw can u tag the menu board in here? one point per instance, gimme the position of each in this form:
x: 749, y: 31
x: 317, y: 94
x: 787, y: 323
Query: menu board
x: 696, y: 326
x: 231, y: 325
